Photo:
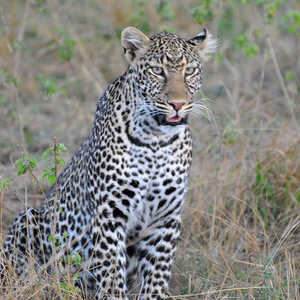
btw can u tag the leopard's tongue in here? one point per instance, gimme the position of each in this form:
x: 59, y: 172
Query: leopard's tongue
x: 174, y: 119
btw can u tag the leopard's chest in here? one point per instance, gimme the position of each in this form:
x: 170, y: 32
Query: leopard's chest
x: 154, y: 183
x: 140, y: 180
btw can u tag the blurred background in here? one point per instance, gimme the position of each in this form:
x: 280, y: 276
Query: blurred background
x: 241, y: 219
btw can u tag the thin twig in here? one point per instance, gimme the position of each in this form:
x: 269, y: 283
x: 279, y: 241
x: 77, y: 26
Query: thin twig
x: 38, y: 183
x: 87, y: 66
x: 1, y: 214
x: 279, y: 75
x: 54, y: 221
x: 283, y: 239
x: 17, y: 71
x: 215, y: 292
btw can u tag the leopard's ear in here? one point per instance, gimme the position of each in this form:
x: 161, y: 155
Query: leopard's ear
x: 134, y: 42
x: 204, y: 44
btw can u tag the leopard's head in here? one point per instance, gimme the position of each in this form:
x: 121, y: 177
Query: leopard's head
x: 167, y: 70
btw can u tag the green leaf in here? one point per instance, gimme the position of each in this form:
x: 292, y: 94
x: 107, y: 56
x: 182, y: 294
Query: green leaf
x: 241, y: 40
x: 3, y: 100
x: 32, y: 162
x: 4, y: 183
x: 19, y: 161
x: 258, y: 178
x: 47, y: 152
x: 289, y: 76
x: 51, y: 179
x: 291, y: 22
x: 49, y: 86
x: 75, y: 277
x: 21, y: 169
x: 165, y: 10
x: 251, y: 50
x: 62, y: 147
x: 50, y: 238
x: 67, y: 50
x: 202, y: 13
x: 60, y: 162
x: 248, y: 48
x: 44, y: 177
x: 298, y: 197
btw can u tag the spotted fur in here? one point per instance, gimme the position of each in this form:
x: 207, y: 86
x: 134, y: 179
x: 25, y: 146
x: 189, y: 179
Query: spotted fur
x: 118, y: 202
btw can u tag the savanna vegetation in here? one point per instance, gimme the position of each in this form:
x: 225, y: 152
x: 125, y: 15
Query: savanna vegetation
x: 241, y: 219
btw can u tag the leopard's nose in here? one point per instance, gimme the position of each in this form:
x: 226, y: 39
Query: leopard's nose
x: 176, y: 105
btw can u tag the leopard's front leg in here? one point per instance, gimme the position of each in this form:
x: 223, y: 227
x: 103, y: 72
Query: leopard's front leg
x: 156, y: 254
x: 108, y: 261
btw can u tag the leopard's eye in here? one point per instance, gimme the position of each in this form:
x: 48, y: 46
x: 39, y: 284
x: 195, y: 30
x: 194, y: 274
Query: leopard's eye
x: 157, y: 70
x: 190, y: 70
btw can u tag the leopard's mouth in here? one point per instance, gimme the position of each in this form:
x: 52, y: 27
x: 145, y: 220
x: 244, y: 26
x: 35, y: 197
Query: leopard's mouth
x: 174, y: 119
x: 162, y: 119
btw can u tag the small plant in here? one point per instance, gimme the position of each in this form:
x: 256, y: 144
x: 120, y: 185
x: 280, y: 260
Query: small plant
x: 7, y: 78
x: 230, y: 135
x: 165, y: 10
x: 74, y: 258
x: 267, y: 204
x: 291, y: 22
x: 5, y: 183
x: 25, y: 164
x: 42, y: 6
x: 298, y: 196
x: 289, y: 76
x: 69, y: 262
x: 49, y: 86
x: 3, y: 100
x: 250, y: 49
x: 203, y: 12
x: 55, y: 240
x: 140, y: 18
x: 53, y: 153
x: 67, y: 49
x: 270, y: 8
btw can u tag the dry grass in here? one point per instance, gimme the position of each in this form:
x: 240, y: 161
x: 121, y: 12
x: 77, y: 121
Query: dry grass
x: 241, y: 219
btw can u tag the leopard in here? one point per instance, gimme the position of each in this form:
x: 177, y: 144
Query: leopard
x: 118, y: 202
